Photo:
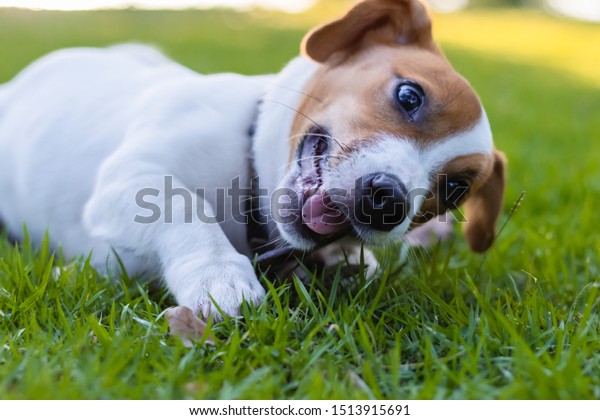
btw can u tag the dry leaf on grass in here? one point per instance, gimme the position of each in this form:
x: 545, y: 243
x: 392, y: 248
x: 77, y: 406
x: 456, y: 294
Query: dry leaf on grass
x: 187, y: 326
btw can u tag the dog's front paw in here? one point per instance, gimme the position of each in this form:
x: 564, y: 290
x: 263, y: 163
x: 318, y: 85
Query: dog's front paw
x: 200, y: 283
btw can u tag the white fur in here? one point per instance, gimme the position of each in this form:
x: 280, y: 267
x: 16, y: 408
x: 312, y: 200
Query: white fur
x: 271, y: 145
x: 478, y: 139
x: 83, y: 130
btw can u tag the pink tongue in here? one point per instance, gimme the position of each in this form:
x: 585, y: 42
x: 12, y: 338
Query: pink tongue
x: 321, y: 216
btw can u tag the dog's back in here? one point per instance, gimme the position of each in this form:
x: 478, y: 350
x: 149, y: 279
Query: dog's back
x: 59, y: 119
x: 67, y: 118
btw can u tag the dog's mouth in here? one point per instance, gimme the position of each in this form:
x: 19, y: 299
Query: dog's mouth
x: 320, y: 215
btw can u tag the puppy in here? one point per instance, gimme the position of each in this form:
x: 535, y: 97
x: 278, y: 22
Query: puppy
x: 368, y: 134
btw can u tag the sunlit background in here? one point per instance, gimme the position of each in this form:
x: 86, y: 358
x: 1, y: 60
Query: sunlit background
x: 580, y: 9
x: 289, y: 6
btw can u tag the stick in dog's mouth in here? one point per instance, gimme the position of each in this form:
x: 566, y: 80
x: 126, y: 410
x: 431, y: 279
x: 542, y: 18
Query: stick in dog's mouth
x: 280, y: 255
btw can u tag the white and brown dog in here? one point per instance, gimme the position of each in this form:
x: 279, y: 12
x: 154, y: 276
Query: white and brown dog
x: 368, y: 134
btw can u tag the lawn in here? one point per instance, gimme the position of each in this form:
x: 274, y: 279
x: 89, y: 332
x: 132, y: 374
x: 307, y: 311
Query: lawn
x: 519, y: 322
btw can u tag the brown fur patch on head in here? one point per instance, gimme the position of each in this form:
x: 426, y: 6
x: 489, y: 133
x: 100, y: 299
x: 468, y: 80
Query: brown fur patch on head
x: 356, y: 100
x: 366, y: 54
x: 483, y: 204
x: 474, y: 169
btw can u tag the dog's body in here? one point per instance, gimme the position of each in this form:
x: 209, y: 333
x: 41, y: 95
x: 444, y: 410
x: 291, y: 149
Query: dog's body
x: 141, y: 119
x: 92, y: 141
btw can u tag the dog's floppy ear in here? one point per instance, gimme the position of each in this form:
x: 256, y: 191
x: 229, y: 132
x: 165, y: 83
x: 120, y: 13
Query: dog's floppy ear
x: 483, y: 207
x: 371, y: 21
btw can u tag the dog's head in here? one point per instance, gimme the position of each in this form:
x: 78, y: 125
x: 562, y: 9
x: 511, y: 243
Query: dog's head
x: 386, y: 135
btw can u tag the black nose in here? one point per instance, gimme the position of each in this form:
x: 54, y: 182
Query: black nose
x: 380, y: 201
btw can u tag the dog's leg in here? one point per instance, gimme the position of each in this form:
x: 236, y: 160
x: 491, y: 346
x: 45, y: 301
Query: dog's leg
x: 200, y: 266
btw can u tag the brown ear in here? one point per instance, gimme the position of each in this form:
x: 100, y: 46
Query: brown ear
x: 371, y: 21
x: 483, y: 207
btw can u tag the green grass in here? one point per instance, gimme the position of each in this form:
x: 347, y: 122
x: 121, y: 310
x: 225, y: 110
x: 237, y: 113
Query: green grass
x: 520, y: 322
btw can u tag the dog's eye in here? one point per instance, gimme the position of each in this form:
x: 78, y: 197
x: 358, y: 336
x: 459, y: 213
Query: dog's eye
x: 453, y: 193
x: 410, y: 97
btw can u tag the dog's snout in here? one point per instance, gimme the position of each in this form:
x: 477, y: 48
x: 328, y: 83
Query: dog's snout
x: 381, y: 201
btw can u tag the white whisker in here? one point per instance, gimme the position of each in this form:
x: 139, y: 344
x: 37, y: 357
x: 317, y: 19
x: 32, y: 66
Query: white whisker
x: 307, y: 117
